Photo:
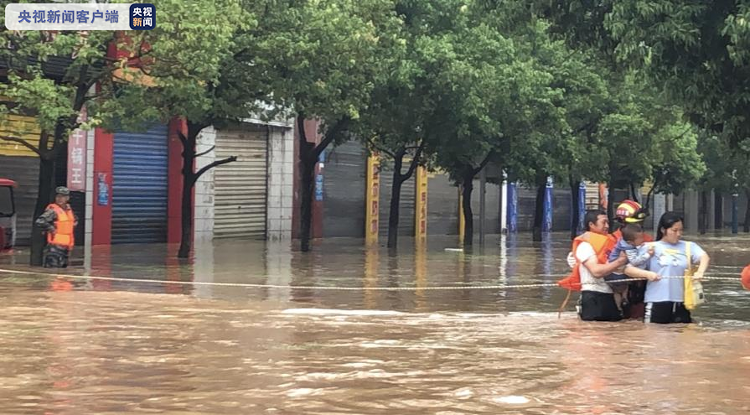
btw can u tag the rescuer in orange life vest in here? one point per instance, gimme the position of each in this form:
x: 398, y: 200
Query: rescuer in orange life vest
x: 589, y: 260
x: 58, y: 221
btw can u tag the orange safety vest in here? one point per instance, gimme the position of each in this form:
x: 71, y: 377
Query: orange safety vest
x: 603, y: 246
x: 64, y: 225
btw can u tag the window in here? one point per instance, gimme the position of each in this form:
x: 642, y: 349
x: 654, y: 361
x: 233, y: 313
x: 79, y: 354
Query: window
x: 7, y: 207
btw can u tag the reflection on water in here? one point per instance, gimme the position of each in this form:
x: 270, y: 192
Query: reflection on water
x: 71, y: 346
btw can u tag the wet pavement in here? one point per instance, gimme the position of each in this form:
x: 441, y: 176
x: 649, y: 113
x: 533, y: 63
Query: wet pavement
x: 72, y: 346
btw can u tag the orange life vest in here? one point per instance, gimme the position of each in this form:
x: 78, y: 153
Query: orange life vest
x: 64, y: 225
x: 603, y: 246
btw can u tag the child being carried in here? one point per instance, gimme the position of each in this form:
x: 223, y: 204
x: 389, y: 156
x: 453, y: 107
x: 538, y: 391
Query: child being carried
x: 638, y: 253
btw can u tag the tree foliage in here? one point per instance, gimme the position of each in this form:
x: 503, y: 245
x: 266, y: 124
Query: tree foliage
x: 698, y: 50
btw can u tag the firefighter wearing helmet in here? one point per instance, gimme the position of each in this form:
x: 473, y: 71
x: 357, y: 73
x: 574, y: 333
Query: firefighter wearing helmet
x: 628, y: 212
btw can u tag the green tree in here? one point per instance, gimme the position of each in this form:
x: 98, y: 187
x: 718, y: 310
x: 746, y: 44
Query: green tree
x: 618, y: 35
x: 726, y: 170
x: 53, y: 94
x: 586, y: 101
x: 393, y: 124
x: 397, y: 122
x: 490, y: 104
x: 698, y: 51
x: 678, y: 165
x: 561, y: 104
x: 321, y: 61
x: 193, y: 70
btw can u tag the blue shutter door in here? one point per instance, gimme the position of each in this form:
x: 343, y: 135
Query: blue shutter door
x: 139, y: 189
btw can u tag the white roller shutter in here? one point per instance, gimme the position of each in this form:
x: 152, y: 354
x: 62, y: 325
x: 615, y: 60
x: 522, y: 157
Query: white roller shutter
x: 241, y: 186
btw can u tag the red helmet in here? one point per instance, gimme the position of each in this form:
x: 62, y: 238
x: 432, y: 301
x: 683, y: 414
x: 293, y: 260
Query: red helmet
x: 745, y: 277
x: 631, y: 212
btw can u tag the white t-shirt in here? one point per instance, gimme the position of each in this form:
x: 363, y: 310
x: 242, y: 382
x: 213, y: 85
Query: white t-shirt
x: 588, y: 283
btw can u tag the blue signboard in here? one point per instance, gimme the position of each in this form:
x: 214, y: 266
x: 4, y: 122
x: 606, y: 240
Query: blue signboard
x: 319, y: 188
x: 102, y: 190
x: 547, y: 222
x: 512, y: 207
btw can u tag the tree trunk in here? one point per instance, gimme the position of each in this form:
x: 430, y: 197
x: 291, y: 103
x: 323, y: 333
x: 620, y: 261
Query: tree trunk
x: 746, y: 227
x: 395, y: 207
x: 308, y: 157
x: 541, y: 189
x: 186, y: 238
x: 634, y: 193
x: 575, y: 213
x: 467, y: 187
x: 188, y: 180
x: 186, y: 219
x: 307, y: 169
x: 43, y: 199
x: 482, y: 204
x: 63, y: 127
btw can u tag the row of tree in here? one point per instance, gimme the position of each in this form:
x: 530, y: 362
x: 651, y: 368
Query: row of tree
x: 617, y: 92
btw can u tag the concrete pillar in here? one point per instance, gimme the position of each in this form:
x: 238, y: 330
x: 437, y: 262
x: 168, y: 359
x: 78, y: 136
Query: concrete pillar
x: 504, y: 206
x: 735, y: 215
x: 718, y: 211
x: 692, y: 199
x: 660, y: 206
x: 711, y: 211
x: 203, y: 221
x: 280, y: 183
x: 482, y: 202
x: 90, y: 195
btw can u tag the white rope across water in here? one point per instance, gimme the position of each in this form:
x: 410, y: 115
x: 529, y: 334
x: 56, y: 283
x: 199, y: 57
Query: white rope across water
x: 707, y: 277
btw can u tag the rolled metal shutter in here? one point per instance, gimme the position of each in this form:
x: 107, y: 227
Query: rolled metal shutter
x: 241, y: 187
x: 592, y: 195
x: 139, y: 188
x: 344, y: 185
x: 406, y: 208
x: 442, y: 206
x: 25, y: 171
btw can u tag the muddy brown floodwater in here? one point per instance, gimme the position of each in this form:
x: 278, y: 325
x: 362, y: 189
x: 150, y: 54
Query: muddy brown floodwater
x: 80, y: 346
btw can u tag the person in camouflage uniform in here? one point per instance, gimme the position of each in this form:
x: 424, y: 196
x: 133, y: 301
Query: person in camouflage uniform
x: 58, y: 222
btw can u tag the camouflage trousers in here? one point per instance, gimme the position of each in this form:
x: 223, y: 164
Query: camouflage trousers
x: 55, y: 257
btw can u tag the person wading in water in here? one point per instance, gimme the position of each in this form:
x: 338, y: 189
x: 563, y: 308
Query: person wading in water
x: 58, y: 221
x: 590, y: 251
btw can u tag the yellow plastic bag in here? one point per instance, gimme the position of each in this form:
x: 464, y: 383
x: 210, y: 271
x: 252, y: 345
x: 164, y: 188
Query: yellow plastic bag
x: 693, y: 289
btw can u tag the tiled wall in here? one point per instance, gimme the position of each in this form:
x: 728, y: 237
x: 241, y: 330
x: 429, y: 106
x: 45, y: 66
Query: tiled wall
x: 204, y: 188
x: 90, y: 195
x: 280, y: 184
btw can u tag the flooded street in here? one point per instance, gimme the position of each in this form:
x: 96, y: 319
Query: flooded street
x: 73, y: 346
